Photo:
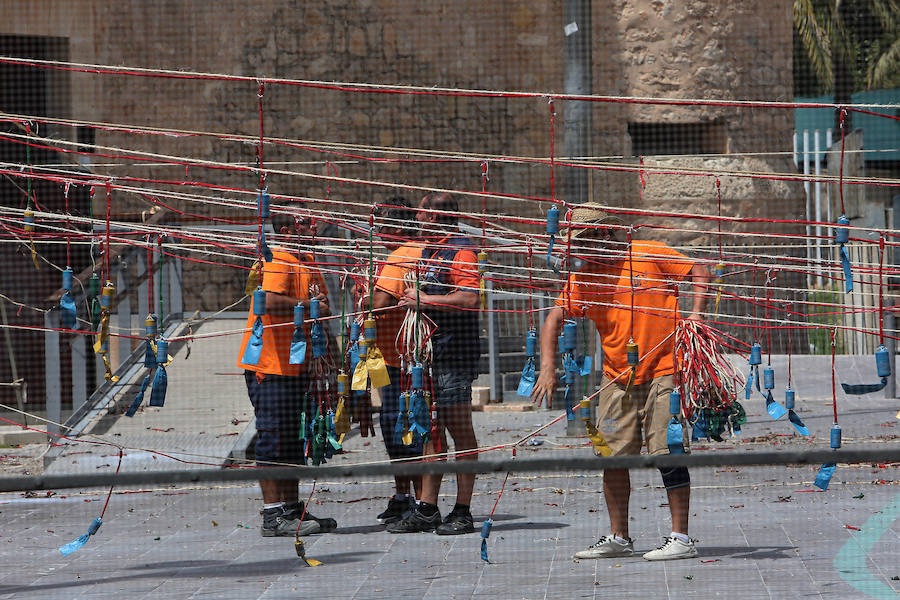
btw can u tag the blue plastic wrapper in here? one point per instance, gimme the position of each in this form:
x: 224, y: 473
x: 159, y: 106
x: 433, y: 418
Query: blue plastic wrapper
x: 67, y: 316
x: 485, y: 534
x: 160, y: 383
x: 81, y: 540
x: 318, y: 340
x: 298, y: 347
x: 848, y: 274
x: 264, y: 247
x: 419, y: 416
x: 585, y: 365
x: 675, y: 437
x: 823, y: 477
x: 149, y: 355
x: 254, y: 345
x: 138, y: 398
x: 775, y: 410
x: 570, y: 411
x: 797, y: 423
x: 526, y: 381
x: 699, y: 429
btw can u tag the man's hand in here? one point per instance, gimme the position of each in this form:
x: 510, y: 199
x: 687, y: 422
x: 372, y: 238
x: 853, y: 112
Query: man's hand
x: 324, y: 309
x: 694, y: 317
x: 544, y: 387
x: 410, y: 298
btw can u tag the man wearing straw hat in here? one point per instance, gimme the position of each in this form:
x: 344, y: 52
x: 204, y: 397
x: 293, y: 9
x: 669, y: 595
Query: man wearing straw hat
x: 628, y: 289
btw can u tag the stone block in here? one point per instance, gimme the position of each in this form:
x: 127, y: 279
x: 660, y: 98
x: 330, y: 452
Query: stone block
x: 357, y: 42
x: 481, y: 396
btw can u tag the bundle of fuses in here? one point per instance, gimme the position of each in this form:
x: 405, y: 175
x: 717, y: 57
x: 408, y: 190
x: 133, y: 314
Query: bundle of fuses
x: 709, y: 382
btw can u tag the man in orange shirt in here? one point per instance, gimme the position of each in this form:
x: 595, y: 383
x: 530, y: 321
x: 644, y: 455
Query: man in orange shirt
x: 278, y: 389
x: 449, y: 295
x: 628, y: 291
x: 395, y: 224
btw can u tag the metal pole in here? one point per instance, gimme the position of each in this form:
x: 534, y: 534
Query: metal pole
x: 818, y: 204
x: 20, y: 401
x: 52, y: 383
x: 493, y: 346
x: 577, y: 80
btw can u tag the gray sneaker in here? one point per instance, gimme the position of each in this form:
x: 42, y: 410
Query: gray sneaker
x: 672, y: 549
x: 607, y: 547
x: 275, y: 524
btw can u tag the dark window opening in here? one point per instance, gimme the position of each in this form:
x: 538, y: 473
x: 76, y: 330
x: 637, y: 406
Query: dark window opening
x: 654, y: 139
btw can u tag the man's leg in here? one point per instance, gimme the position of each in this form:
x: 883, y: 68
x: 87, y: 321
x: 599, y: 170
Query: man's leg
x: 271, y: 490
x: 289, y: 490
x: 617, y: 491
x: 618, y: 423
x: 680, y: 506
x: 459, y: 426
x: 677, y: 480
x: 431, y: 483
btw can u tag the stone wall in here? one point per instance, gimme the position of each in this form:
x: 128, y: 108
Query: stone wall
x: 695, y: 49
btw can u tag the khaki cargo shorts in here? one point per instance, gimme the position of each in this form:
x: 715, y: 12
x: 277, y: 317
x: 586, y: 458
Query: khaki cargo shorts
x: 629, y: 420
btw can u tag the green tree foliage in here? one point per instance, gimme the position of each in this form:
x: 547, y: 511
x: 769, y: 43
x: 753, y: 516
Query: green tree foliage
x: 845, y: 46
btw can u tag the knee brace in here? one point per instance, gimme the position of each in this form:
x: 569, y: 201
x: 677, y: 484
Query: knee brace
x: 675, y: 477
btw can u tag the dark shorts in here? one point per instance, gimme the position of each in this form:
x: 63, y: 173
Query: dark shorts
x: 390, y: 411
x: 452, y: 386
x: 277, y: 403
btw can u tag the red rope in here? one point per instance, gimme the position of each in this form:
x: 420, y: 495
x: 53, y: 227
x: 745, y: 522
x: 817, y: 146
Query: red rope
x: 833, y: 384
x: 108, y: 209
x: 719, y: 220
x: 841, y: 170
x: 881, y: 289
x: 552, y: 158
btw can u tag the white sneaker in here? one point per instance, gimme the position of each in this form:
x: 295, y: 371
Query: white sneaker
x: 607, y: 547
x: 672, y: 549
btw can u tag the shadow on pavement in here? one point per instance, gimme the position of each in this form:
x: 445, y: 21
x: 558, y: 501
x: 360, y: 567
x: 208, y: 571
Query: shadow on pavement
x: 760, y: 553
x: 196, y: 569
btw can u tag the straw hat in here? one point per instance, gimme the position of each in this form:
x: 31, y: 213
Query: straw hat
x: 591, y: 214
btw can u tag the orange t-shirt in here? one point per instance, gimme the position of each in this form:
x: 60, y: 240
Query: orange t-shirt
x: 463, y: 270
x: 401, y: 261
x: 288, y: 276
x: 603, y: 294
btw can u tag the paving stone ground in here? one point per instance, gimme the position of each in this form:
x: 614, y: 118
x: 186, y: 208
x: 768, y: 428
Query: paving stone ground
x: 760, y: 532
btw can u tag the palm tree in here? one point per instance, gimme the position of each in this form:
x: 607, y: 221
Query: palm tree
x: 851, y: 45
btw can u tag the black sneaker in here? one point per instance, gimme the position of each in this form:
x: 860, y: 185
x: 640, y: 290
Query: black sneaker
x: 415, y: 523
x: 396, y: 510
x: 456, y: 523
x: 293, y: 511
x: 275, y: 524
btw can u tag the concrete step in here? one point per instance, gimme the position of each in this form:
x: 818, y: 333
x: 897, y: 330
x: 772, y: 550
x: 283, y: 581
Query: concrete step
x: 16, y: 436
